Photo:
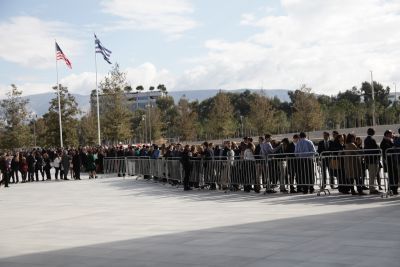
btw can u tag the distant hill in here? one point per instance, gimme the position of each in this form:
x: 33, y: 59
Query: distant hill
x: 40, y: 103
x: 201, y: 95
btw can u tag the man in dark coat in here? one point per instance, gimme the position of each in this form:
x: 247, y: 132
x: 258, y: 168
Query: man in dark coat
x: 76, y: 164
x: 390, y: 161
x: 65, y: 164
x: 325, y: 145
x: 371, y: 159
x: 185, y: 160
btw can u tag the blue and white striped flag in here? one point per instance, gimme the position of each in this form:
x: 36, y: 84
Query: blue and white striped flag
x: 102, y: 50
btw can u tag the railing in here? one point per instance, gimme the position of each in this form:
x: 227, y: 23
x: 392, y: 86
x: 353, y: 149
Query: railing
x: 350, y: 171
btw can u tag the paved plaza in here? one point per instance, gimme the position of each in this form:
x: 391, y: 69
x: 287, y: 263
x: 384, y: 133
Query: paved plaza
x: 128, y: 222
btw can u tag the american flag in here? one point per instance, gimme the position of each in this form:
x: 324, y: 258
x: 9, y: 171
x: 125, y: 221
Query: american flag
x: 102, y: 50
x: 60, y: 55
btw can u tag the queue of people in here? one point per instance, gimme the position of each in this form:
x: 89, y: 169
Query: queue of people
x: 286, y: 165
x: 37, y: 165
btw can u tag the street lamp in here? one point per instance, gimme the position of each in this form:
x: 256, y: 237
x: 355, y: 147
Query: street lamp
x: 241, y: 124
x: 34, y: 130
x: 373, y: 100
x: 144, y: 128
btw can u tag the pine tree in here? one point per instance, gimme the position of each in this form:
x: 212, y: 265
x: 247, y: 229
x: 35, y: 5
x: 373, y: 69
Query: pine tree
x: 115, y: 114
x: 262, y: 115
x: 69, y: 119
x: 88, y: 130
x: 15, y: 115
x: 187, y: 120
x: 220, y: 121
x: 307, y: 115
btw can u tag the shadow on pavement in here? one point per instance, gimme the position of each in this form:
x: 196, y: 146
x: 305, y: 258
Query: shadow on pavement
x: 155, y: 189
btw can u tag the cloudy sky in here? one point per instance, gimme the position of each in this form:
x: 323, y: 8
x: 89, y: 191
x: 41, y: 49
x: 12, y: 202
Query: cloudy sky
x: 330, y: 45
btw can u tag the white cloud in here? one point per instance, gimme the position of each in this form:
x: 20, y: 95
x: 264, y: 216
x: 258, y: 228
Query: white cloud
x: 330, y: 45
x: 29, y: 41
x: 167, y: 16
x: 83, y: 83
x: 27, y: 88
x: 148, y: 75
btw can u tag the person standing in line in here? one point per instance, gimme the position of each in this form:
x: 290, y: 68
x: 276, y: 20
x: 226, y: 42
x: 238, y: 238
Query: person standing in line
x: 31, y: 166
x: 90, y: 164
x: 250, y: 163
x: 187, y: 166
x: 15, y: 167
x: 47, y: 166
x: 23, y: 169
x: 390, y: 163
x: 4, y: 171
x: 353, y: 166
x: 292, y: 163
x: 325, y: 145
x: 305, y: 151
x: 39, y: 166
x: 371, y: 159
x: 65, y: 162
x: 76, y: 164
x: 57, y: 166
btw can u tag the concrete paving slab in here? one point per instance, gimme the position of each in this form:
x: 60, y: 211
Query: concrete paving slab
x: 129, y: 222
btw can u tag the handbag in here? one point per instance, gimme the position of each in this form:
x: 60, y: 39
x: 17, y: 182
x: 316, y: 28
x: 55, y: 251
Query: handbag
x: 334, y: 164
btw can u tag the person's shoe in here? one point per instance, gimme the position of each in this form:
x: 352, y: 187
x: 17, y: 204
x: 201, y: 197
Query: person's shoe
x: 283, y: 191
x: 374, y: 192
x: 293, y: 191
x: 354, y: 193
x: 361, y: 194
x: 364, y: 187
x: 311, y: 190
x: 66, y: 179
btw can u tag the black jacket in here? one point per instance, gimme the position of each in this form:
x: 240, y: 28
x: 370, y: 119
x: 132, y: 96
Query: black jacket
x: 321, y: 146
x: 370, y: 143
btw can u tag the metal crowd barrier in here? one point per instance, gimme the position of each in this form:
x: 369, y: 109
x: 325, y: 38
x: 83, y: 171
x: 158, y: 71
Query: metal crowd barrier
x: 350, y: 169
x: 346, y: 170
x: 113, y: 165
x: 290, y: 170
x: 391, y: 166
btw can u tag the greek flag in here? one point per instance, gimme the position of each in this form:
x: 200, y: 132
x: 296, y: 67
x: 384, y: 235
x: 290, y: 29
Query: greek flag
x: 102, y: 50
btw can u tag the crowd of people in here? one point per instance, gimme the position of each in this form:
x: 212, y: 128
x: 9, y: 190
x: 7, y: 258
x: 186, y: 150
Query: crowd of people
x: 36, y: 165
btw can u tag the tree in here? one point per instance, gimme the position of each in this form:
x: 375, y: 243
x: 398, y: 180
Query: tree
x: 187, y: 120
x: 262, y: 115
x: 220, y: 121
x: 69, y: 114
x: 307, y: 115
x: 115, y: 115
x: 169, y: 116
x: 151, y: 88
x: 139, y: 88
x: 88, y: 130
x: 15, y: 115
x: 162, y: 88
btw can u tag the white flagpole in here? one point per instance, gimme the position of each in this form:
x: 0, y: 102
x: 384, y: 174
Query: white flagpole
x: 59, y: 104
x: 97, y: 97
